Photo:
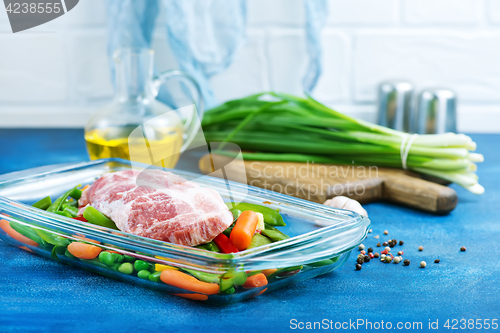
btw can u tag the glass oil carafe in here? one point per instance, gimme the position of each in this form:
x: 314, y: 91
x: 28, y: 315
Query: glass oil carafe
x: 136, y: 126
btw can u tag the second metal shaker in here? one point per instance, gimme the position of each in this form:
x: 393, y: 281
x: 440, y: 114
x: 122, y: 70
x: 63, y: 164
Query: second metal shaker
x: 436, y: 112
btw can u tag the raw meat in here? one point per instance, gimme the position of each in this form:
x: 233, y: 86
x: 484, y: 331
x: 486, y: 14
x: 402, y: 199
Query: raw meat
x: 160, y: 205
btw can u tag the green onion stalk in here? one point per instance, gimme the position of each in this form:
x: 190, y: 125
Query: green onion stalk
x: 280, y: 127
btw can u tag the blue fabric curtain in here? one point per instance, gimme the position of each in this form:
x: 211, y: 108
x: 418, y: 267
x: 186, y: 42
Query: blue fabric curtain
x: 204, y: 35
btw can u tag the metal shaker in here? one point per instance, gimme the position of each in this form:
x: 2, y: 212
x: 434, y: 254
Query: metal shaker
x: 394, y: 105
x: 436, y: 112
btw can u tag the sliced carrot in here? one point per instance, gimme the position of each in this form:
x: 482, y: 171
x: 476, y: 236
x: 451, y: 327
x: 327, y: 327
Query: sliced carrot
x: 25, y: 248
x: 185, y: 281
x: 242, y: 233
x: 84, y: 251
x: 196, y: 297
x: 261, y: 292
x: 255, y: 281
x: 269, y: 271
x: 85, y: 187
x: 5, y: 225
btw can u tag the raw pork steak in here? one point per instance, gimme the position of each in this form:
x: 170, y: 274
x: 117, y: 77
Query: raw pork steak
x: 165, y: 206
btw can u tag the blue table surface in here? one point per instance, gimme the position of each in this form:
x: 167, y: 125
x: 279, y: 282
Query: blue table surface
x: 37, y: 294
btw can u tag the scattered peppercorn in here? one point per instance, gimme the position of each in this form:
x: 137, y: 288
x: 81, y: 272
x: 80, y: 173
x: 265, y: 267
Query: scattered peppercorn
x: 406, y: 262
x: 397, y: 260
x: 358, y: 267
x: 401, y: 242
x: 370, y: 249
x: 376, y: 237
x: 363, y: 252
x: 463, y: 249
x: 385, y: 243
x: 420, y: 248
x: 387, y: 259
x: 379, y: 245
x: 386, y: 232
x: 376, y: 255
x: 361, y: 247
x: 388, y: 249
x: 384, y: 252
x: 370, y: 231
x: 367, y: 258
x: 360, y: 260
x: 400, y: 253
x: 423, y: 264
x: 382, y: 256
x: 371, y: 255
x: 360, y: 256
x: 437, y: 261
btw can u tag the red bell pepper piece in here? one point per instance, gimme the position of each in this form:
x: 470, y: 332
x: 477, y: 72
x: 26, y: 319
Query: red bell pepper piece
x: 80, y: 218
x: 225, y: 244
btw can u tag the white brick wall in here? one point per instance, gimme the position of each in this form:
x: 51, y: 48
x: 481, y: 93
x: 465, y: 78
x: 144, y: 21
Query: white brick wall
x: 57, y: 74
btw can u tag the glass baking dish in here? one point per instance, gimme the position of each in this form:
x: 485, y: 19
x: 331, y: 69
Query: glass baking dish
x: 322, y: 238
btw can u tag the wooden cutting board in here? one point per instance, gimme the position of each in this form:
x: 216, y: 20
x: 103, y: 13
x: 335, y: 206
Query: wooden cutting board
x: 319, y: 182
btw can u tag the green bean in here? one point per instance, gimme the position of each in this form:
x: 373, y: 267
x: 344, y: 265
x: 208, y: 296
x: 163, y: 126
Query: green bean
x: 232, y: 278
x: 65, y: 214
x: 211, y: 246
x: 75, y: 193
x: 42, y: 203
x: 283, y: 270
x: 96, y: 217
x: 155, y: 277
x: 143, y: 274
x: 258, y: 240
x: 206, y: 277
x: 274, y: 234
x: 70, y: 204
x: 324, y: 262
x: 271, y: 216
x: 126, y: 268
x: 69, y: 255
x: 51, y: 238
x: 26, y: 231
x: 72, y: 211
x: 56, y: 205
x: 229, y: 291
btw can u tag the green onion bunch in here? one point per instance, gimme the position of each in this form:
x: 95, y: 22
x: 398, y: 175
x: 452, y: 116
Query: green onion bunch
x: 281, y: 127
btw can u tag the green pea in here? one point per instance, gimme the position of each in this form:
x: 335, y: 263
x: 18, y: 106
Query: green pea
x: 128, y: 258
x: 117, y: 257
x: 107, y: 258
x: 155, y: 277
x: 141, y: 265
x: 126, y: 268
x: 143, y: 274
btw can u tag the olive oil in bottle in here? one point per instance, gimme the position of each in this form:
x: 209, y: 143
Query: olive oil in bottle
x: 160, y: 146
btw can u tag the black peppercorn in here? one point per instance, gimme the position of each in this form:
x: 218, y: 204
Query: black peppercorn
x: 376, y: 255
x: 366, y: 258
x: 385, y: 244
x: 401, y: 242
x: 370, y: 249
x: 378, y: 245
x: 360, y: 260
x: 437, y: 261
x: 406, y: 262
x: 358, y: 267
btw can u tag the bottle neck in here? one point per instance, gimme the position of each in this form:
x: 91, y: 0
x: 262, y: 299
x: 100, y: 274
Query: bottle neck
x: 133, y: 77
